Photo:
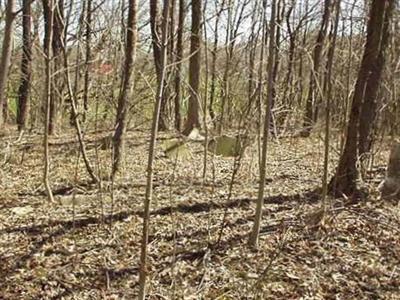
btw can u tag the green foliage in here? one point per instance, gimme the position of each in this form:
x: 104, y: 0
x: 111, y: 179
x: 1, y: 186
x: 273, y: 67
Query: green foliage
x: 12, y: 106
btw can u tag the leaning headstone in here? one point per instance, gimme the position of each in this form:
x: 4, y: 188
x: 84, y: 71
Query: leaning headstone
x: 390, y: 186
x: 176, y: 149
x: 228, y: 146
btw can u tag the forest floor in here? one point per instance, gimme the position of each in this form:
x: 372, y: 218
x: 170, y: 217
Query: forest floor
x: 87, y: 244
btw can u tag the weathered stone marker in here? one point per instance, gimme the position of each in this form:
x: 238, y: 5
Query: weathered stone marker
x: 390, y: 186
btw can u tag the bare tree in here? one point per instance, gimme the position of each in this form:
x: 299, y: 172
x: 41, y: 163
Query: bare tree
x: 122, y: 109
x: 344, y: 181
x: 178, y: 70
x: 327, y: 93
x: 193, y: 120
x: 57, y: 78
x: 214, y: 54
x: 6, y: 55
x: 369, y: 107
x: 149, y: 182
x: 26, y: 66
x: 155, y: 27
x: 48, y: 35
x: 88, y: 54
x: 314, y: 73
x: 253, y: 239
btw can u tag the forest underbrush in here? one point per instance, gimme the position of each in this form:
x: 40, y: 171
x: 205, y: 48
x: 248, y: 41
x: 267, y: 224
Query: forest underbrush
x: 86, y: 245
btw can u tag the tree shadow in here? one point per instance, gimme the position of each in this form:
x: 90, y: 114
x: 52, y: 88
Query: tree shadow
x: 41, y: 236
x: 187, y: 207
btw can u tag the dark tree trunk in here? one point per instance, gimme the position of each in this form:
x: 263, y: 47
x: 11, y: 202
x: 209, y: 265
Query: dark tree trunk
x: 345, y: 179
x: 57, y: 81
x: 317, y: 53
x: 214, y: 54
x: 48, y: 11
x: 288, y: 81
x: 178, y: 60
x: 88, y: 55
x: 193, y: 120
x: 6, y: 55
x: 26, y: 67
x: 279, y: 21
x: 122, y: 109
x: 368, y: 109
x: 155, y: 37
x: 155, y: 34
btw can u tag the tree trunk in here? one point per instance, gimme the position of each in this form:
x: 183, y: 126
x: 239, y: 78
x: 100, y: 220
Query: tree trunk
x: 57, y: 79
x: 368, y: 109
x: 279, y: 20
x: 26, y: 66
x: 225, y: 84
x: 6, y: 55
x: 88, y: 56
x: 193, y: 120
x: 327, y: 93
x: 314, y: 74
x: 178, y: 61
x: 345, y: 179
x: 122, y: 109
x: 253, y: 238
x: 155, y: 40
x: 214, y: 54
x: 48, y: 35
x: 149, y: 180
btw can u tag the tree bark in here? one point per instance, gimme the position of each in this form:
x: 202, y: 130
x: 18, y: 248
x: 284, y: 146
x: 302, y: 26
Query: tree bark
x: 26, y: 67
x: 368, y: 109
x: 314, y: 74
x: 253, y: 238
x: 149, y: 180
x: 345, y: 179
x: 6, y: 55
x: 178, y: 61
x: 48, y: 35
x: 214, y: 55
x: 122, y: 109
x: 193, y: 120
x: 156, y: 43
x: 88, y: 56
x: 57, y: 42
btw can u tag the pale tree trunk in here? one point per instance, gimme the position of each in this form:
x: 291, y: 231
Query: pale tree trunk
x: 6, y: 55
x: 122, y: 109
x: 193, y: 120
x: 48, y: 35
x: 345, y: 179
x: 26, y: 66
x: 253, y: 238
x: 149, y: 182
